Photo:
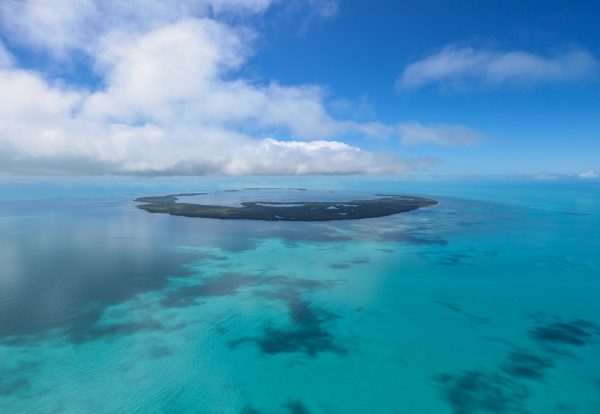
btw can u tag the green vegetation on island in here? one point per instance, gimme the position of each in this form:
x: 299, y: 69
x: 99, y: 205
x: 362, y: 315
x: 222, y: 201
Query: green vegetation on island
x: 166, y: 199
x: 286, y: 211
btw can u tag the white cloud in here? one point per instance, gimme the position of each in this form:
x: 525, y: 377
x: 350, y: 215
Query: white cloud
x: 589, y: 174
x: 170, y: 100
x: 176, y: 74
x: 167, y: 109
x: 544, y: 176
x: 28, y: 98
x: 60, y: 26
x: 153, y: 75
x: 323, y: 8
x: 466, y: 67
x: 6, y: 58
x: 314, y: 157
x: 64, y: 25
x: 240, y: 6
x: 413, y: 133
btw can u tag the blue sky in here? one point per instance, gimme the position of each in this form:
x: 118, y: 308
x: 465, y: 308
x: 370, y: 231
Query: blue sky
x: 310, y: 86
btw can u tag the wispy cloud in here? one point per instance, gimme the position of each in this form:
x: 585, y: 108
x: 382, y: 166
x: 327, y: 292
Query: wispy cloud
x: 545, y: 176
x: 413, y: 133
x: 589, y: 174
x: 6, y: 58
x: 463, y: 68
x: 305, y: 14
x: 586, y: 175
x: 324, y: 8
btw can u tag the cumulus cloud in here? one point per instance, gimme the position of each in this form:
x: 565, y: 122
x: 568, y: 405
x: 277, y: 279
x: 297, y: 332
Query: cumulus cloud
x: 165, y: 108
x: 50, y: 128
x: 589, y: 174
x: 298, y: 157
x: 461, y: 68
x: 169, y: 100
x: 61, y: 26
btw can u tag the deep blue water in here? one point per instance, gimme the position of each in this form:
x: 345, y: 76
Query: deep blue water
x: 486, y: 303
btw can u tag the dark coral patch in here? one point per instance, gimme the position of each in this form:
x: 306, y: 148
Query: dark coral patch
x: 575, y: 333
x: 80, y: 333
x: 340, y: 266
x: 160, y: 351
x: 296, y: 407
x: 481, y: 392
x: 449, y: 305
x: 526, y: 365
x: 230, y: 284
x: 307, y: 333
x: 453, y: 259
x: 349, y: 263
x: 14, y: 379
x: 504, y: 388
x: 224, y: 285
x: 9, y: 386
x: 249, y: 410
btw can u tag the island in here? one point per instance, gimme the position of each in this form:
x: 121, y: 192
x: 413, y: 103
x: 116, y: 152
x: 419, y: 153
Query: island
x: 286, y: 211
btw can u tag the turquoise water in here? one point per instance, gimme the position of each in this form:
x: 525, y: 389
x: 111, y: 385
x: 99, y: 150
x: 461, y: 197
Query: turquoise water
x: 486, y: 303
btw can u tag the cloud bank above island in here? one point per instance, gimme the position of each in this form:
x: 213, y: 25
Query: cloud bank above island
x: 168, y: 98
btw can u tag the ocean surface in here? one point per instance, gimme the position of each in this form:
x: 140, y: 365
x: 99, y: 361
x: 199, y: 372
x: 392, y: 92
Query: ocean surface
x: 486, y: 303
